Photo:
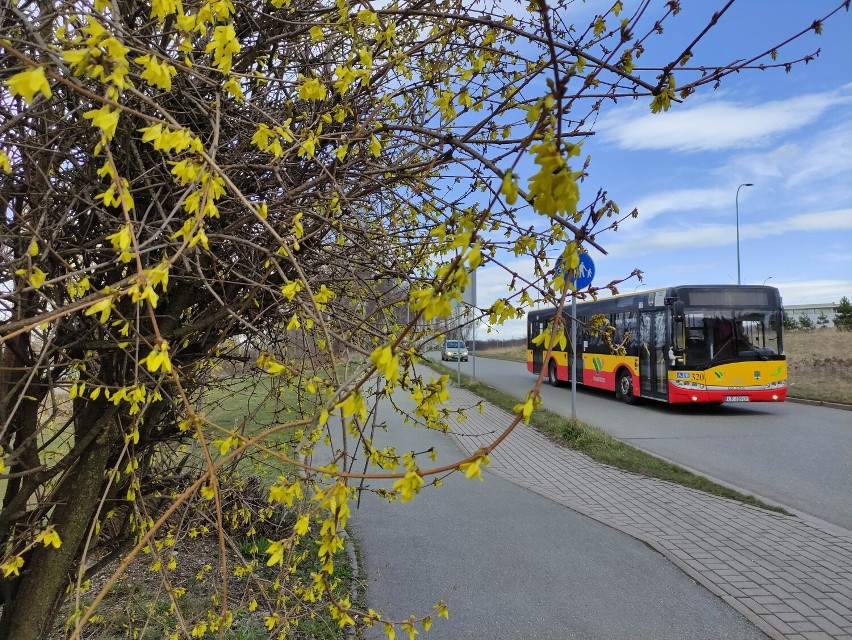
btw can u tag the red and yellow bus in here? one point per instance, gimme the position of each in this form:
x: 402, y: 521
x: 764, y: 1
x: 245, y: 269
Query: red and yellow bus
x: 687, y: 344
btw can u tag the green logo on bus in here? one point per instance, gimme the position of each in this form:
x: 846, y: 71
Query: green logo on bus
x: 598, y: 364
x: 720, y: 374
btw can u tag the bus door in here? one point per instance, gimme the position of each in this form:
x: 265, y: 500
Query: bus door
x: 538, y: 325
x: 653, y: 380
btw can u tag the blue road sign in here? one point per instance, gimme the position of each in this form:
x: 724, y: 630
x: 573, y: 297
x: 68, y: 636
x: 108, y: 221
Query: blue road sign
x: 585, y: 272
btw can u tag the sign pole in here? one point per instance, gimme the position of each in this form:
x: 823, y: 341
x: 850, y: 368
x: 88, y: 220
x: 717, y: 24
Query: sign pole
x: 583, y: 276
x: 473, y: 310
x: 458, y: 349
x: 468, y: 299
x: 574, y: 356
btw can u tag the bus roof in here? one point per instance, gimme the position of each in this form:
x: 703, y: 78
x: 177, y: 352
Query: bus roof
x: 657, y: 297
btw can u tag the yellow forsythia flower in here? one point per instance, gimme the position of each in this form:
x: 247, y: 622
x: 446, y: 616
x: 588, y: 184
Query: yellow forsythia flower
x: 312, y: 89
x: 301, y: 526
x: 409, y: 485
x: 158, y: 358
x: 28, y: 83
x: 386, y: 363
x: 121, y: 239
x: 105, y: 119
x: 473, y: 469
x: 6, y: 166
x: 224, y: 45
x: 509, y: 188
x: 12, y: 568
x: 275, y: 550
x: 49, y: 538
x: 156, y: 73
x: 37, y: 277
x: 443, y: 612
x: 104, y: 307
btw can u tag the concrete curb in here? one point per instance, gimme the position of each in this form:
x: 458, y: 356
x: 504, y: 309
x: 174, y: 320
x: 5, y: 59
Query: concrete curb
x: 829, y: 526
x: 821, y: 403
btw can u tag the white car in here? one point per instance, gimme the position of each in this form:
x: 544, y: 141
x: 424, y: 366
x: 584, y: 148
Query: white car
x: 454, y: 350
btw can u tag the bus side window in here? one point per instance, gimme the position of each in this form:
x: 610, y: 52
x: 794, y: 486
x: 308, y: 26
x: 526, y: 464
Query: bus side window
x: 630, y: 325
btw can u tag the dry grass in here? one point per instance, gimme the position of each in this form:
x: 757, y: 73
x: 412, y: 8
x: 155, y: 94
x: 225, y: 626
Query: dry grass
x: 515, y: 354
x: 819, y: 363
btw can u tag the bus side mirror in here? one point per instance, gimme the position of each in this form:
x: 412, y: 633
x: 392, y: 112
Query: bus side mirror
x: 677, y: 311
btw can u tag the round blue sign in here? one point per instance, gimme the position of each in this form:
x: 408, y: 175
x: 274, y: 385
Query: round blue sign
x: 585, y: 272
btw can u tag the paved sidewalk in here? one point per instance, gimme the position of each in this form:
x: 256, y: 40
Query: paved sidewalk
x: 792, y: 577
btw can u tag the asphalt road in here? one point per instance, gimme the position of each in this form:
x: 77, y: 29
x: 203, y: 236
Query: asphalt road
x: 797, y: 455
x: 512, y: 564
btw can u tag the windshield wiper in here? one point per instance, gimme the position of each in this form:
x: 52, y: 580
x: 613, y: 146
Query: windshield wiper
x: 752, y: 349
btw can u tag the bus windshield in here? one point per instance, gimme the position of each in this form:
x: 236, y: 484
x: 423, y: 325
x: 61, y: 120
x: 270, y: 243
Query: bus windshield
x: 715, y: 335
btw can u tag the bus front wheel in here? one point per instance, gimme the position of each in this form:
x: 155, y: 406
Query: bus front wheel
x: 624, y: 390
x: 552, y: 378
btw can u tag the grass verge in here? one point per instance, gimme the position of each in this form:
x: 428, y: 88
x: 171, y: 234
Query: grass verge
x: 600, y: 446
x: 138, y: 605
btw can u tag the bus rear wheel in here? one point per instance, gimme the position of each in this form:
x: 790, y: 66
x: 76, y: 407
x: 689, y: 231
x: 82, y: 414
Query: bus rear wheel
x: 552, y: 378
x: 624, y: 388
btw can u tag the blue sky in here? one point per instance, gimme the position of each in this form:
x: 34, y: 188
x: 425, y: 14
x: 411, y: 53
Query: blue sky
x: 790, y: 134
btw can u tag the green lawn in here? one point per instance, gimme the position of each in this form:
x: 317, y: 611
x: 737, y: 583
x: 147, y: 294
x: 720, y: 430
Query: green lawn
x: 138, y: 606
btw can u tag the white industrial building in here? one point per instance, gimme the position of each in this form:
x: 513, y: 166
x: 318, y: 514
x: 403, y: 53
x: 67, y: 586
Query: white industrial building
x: 813, y: 311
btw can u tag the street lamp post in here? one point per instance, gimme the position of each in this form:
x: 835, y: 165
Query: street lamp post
x: 737, y: 203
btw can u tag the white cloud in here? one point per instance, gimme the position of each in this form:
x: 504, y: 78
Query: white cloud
x: 493, y: 281
x: 682, y: 200
x: 822, y: 221
x: 822, y: 158
x: 840, y: 257
x: 813, y: 291
x: 716, y: 124
x: 708, y: 235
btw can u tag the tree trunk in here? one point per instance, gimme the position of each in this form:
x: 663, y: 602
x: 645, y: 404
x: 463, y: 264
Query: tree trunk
x: 46, y: 573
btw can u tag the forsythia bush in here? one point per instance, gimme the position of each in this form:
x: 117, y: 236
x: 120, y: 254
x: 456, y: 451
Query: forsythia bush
x: 201, y: 193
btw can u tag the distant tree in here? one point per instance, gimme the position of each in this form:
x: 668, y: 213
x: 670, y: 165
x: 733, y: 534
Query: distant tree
x: 822, y: 320
x: 790, y: 323
x: 843, y: 317
x: 805, y: 322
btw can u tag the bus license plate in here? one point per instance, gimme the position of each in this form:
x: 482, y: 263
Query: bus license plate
x: 736, y: 398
